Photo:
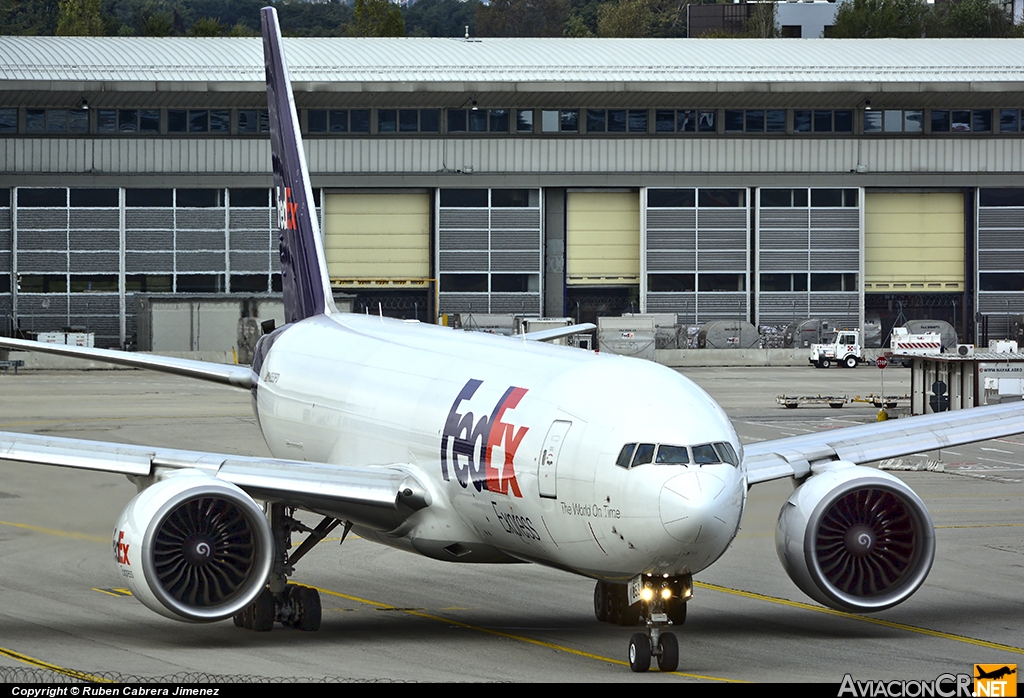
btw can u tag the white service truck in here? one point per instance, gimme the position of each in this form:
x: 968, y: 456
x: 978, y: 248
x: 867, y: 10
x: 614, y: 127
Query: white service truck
x: 844, y: 350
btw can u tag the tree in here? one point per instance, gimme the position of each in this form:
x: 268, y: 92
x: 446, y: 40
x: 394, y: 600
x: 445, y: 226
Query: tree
x: 79, y: 18
x: 28, y: 17
x: 624, y: 20
x: 523, y: 18
x: 969, y: 18
x: 761, y: 24
x: 377, y: 18
x: 207, y: 26
x: 879, y: 19
x: 445, y: 18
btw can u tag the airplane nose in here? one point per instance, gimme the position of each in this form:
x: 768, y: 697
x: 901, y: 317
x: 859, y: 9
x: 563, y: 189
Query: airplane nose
x: 687, y: 505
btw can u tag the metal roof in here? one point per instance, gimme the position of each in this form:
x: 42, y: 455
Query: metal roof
x: 603, y: 64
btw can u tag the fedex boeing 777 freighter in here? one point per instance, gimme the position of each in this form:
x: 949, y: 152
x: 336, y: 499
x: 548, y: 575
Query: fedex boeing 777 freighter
x: 476, y: 448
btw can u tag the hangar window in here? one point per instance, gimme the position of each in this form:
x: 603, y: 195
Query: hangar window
x: 755, y: 121
x: 248, y: 283
x: 784, y: 282
x: 5, y: 283
x: 721, y: 282
x: 1011, y: 281
x: 524, y: 121
x: 894, y: 121
x: 42, y: 283
x: 200, y: 198
x: 961, y: 120
x: 1009, y: 121
x: 94, y: 198
x: 5, y: 198
x: 671, y: 283
x: 94, y: 283
x: 560, y: 120
x: 617, y: 120
x: 200, y: 283
x: 834, y: 198
x: 338, y: 121
x: 783, y: 198
x: 478, y: 120
x: 253, y: 121
x: 722, y: 198
x: 42, y: 198
x: 149, y: 198
x: 671, y: 198
x: 35, y: 120
x: 1001, y: 197
x: 684, y: 120
x: 8, y: 120
x: 823, y: 120
x: 249, y: 198
x: 148, y: 283
x: 834, y: 282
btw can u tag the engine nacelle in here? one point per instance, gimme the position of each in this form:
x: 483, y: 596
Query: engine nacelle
x: 194, y: 548
x: 855, y: 539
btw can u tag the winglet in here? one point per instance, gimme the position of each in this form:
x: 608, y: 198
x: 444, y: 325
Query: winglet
x: 304, y: 279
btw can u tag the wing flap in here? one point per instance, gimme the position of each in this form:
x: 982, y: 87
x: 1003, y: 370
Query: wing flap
x: 795, y: 455
x: 559, y: 332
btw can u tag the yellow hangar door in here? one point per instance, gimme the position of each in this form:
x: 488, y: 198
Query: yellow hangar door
x: 602, y: 238
x: 913, y: 243
x: 375, y: 239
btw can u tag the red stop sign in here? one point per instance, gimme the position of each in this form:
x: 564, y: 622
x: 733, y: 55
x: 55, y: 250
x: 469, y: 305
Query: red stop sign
x: 881, y: 362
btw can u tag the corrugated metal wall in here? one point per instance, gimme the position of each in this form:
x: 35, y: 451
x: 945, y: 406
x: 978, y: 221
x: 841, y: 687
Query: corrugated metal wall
x: 550, y: 155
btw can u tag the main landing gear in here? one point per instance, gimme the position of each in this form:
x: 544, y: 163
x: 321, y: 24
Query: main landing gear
x: 660, y: 602
x: 291, y: 605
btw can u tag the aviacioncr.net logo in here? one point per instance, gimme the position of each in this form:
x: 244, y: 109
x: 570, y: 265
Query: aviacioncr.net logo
x: 943, y: 686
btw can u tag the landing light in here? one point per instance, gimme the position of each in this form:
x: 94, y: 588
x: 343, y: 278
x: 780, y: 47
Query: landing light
x: 647, y: 594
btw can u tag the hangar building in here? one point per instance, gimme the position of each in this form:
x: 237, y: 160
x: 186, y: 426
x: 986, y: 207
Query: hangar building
x: 765, y: 180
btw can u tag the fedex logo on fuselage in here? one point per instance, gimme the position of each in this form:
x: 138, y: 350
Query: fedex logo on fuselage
x: 482, y: 451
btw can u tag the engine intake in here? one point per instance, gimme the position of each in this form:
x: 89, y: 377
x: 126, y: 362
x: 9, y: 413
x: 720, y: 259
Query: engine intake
x: 195, y: 548
x: 856, y: 539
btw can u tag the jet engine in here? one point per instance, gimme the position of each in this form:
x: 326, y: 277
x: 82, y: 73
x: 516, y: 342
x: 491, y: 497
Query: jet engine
x: 855, y: 539
x: 192, y: 547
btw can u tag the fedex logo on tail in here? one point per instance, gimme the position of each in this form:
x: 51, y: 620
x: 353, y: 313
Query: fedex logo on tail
x: 482, y: 450
x: 287, y: 209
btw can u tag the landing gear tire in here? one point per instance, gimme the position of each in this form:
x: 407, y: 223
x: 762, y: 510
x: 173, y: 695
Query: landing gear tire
x: 619, y: 610
x: 668, y: 658
x: 676, y: 610
x: 639, y: 652
x: 851, y: 362
x: 262, y: 612
x: 310, y: 610
x: 601, y: 602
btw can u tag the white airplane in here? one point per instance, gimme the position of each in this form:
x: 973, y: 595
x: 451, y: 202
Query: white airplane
x: 476, y: 448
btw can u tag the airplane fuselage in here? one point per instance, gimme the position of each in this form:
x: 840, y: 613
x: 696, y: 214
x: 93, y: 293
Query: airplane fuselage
x: 517, y: 443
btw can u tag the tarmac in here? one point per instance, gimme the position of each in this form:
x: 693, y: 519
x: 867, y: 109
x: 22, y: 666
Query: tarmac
x: 392, y: 616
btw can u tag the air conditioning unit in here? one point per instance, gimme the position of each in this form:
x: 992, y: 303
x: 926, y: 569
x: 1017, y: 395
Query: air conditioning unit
x: 965, y: 349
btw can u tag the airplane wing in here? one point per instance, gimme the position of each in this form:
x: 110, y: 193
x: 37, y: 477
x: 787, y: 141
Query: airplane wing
x: 379, y: 497
x: 236, y: 375
x: 795, y: 456
x: 559, y: 332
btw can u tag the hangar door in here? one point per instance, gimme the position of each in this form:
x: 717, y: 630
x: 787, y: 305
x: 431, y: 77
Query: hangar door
x: 913, y: 243
x: 375, y: 238
x: 602, y: 238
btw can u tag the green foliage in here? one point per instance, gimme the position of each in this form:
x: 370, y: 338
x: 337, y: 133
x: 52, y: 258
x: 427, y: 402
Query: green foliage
x: 207, y: 26
x: 625, y: 20
x: 446, y: 18
x: 876, y: 19
x: 28, y: 17
x: 377, y: 18
x: 157, y: 24
x: 576, y: 28
x: 969, y: 18
x: 522, y: 18
x: 79, y: 18
x: 761, y: 24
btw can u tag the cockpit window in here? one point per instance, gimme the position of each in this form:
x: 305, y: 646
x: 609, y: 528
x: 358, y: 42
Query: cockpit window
x: 672, y: 454
x: 727, y: 453
x: 644, y: 454
x: 625, y: 455
x: 705, y: 453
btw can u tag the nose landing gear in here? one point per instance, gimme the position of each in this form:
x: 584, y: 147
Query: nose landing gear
x: 661, y: 601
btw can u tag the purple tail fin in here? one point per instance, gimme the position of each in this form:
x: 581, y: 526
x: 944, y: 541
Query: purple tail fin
x: 304, y: 279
